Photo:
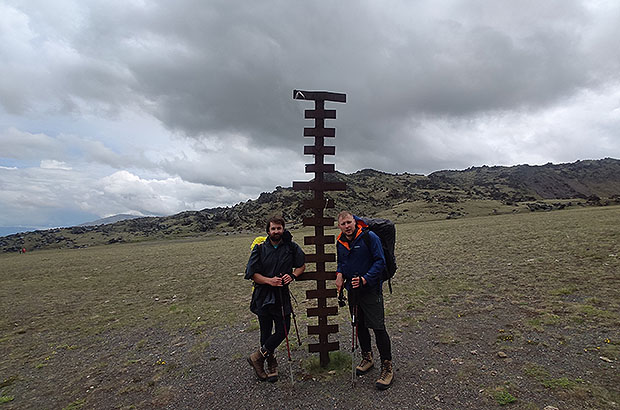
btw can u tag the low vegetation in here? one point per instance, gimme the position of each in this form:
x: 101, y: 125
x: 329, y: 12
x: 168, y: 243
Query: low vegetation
x: 526, y: 301
x: 404, y: 198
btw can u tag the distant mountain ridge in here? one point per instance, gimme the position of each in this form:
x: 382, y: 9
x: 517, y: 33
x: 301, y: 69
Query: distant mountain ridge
x: 579, y: 179
x: 110, y: 219
x: 9, y: 230
x: 402, y: 197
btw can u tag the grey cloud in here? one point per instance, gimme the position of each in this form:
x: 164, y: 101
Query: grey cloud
x: 446, y: 68
x: 430, y: 85
x: 30, y: 196
x: 67, y: 148
x: 212, y: 68
x: 27, y: 146
x: 238, y: 164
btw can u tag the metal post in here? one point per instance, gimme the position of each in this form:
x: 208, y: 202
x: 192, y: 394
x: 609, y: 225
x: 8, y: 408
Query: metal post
x: 318, y: 203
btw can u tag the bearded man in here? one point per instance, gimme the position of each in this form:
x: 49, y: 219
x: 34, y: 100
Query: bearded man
x: 273, y: 265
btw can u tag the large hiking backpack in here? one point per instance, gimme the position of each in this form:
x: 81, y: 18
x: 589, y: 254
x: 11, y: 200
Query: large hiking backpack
x: 386, y: 231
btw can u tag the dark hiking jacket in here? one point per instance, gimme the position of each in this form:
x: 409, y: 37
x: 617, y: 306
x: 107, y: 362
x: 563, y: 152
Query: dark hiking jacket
x: 270, y: 261
x: 356, y: 257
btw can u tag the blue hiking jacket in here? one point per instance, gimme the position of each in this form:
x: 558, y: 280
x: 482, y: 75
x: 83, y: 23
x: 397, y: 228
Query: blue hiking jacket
x: 357, y: 258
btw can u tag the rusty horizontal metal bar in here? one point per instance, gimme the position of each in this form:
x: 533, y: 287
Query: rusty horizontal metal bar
x: 319, y: 186
x: 318, y: 276
x: 314, y: 258
x: 319, y: 240
x: 317, y: 221
x: 318, y: 203
x: 325, y: 311
x: 319, y: 95
x: 320, y: 114
x: 324, y: 329
x: 324, y: 150
x: 323, y: 347
x: 321, y: 293
x: 320, y: 168
x: 319, y: 132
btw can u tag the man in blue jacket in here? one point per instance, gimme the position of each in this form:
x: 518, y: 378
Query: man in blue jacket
x: 273, y: 265
x: 360, y: 266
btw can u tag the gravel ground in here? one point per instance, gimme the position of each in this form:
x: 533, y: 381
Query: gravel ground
x: 439, y: 364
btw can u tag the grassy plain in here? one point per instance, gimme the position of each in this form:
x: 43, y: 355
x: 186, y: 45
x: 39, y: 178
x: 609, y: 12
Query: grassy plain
x: 516, y: 309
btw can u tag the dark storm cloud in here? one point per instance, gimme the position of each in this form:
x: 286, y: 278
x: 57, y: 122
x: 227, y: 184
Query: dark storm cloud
x: 215, y: 69
x: 190, y: 98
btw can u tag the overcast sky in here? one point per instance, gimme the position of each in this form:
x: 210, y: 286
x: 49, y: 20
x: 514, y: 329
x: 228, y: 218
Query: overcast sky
x: 155, y: 107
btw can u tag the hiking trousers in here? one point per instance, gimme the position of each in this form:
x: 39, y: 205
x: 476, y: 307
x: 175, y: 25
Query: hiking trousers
x: 382, y: 338
x: 267, y: 322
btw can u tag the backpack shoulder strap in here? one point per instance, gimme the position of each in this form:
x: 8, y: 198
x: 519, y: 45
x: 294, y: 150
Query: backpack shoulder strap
x: 366, y: 238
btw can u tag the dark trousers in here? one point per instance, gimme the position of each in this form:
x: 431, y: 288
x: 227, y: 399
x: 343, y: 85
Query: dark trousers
x: 269, y: 340
x: 381, y: 336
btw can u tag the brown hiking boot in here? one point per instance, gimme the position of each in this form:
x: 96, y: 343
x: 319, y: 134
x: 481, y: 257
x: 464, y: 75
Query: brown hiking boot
x: 272, y: 368
x: 387, y: 375
x: 257, y: 361
x: 365, y: 365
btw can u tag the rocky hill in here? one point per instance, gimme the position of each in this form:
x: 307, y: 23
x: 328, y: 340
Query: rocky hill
x: 110, y: 220
x: 403, y: 197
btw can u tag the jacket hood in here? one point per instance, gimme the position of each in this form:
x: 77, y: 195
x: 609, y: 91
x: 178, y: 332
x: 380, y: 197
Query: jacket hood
x: 360, y: 222
x: 287, y: 236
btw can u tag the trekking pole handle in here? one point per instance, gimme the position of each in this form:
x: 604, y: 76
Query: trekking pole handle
x: 342, y: 299
x: 353, y: 302
x: 282, y: 276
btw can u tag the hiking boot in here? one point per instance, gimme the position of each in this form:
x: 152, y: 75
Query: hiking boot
x: 257, y: 361
x: 272, y: 368
x: 365, y: 365
x: 387, y: 375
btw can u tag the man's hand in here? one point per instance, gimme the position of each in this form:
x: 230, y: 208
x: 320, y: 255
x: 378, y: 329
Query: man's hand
x: 281, y: 280
x: 287, y: 278
x: 358, y: 281
x: 339, y: 282
x: 275, y: 281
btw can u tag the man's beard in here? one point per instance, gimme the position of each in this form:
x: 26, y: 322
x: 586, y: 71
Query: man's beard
x: 275, y: 237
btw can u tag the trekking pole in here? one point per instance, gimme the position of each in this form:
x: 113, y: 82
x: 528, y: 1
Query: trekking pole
x: 353, y: 304
x: 288, y: 348
x: 294, y: 317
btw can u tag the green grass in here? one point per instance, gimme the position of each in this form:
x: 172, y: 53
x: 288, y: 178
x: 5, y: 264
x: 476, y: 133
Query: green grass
x: 447, y: 267
x: 536, y: 371
x: 543, y: 376
x: 503, y: 397
x: 339, y: 363
x: 547, y: 319
x: 108, y: 287
x: 6, y: 399
x: 551, y: 273
x: 75, y: 405
x: 561, y: 383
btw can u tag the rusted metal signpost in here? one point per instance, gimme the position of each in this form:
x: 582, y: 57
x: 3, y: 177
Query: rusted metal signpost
x: 318, y: 203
